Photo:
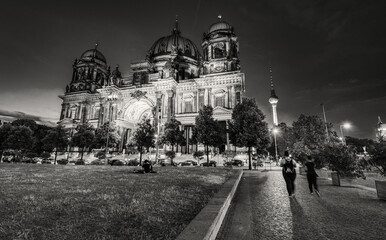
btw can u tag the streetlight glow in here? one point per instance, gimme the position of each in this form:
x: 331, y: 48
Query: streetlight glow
x: 345, y: 125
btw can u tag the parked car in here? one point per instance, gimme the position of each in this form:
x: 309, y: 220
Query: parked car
x: 167, y: 162
x: 133, y: 162
x: 211, y: 164
x: 62, y: 161
x: 188, y: 163
x: 98, y: 162
x: 235, y: 162
x: 259, y: 163
x: 116, y: 162
x: 46, y: 161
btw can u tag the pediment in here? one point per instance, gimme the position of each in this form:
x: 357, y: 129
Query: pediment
x: 220, y: 110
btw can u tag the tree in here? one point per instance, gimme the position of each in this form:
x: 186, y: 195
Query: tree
x: 83, y: 138
x: 308, y: 137
x: 21, y: 139
x: 378, y: 157
x: 172, y: 133
x: 143, y: 137
x: 5, y: 131
x: 56, y: 138
x: 101, y: 133
x: 39, y: 134
x: 248, y: 128
x: 359, y: 143
x: 206, y: 130
x: 343, y: 159
x: 171, y: 155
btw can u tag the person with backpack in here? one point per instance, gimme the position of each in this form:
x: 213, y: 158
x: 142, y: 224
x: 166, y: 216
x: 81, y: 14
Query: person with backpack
x: 311, y: 175
x: 289, y: 173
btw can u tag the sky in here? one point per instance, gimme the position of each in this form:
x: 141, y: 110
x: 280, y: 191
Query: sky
x: 321, y: 52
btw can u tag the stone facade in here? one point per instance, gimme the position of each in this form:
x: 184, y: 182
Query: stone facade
x: 173, y: 80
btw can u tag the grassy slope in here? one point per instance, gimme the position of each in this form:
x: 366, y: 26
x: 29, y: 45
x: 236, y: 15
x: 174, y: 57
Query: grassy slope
x: 101, y: 202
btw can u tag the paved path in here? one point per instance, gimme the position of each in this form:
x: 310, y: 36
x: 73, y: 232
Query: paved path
x: 262, y: 210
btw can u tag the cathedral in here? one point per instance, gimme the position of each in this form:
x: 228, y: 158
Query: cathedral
x: 174, y: 79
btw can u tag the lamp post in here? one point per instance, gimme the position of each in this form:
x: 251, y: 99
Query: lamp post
x: 156, y: 147
x: 110, y: 98
x: 345, y: 126
x: 275, y: 130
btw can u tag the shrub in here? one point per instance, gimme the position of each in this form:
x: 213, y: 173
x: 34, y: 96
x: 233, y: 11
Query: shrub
x: 80, y: 162
x: 45, y: 155
x: 62, y: 161
x: 31, y: 155
x: 133, y: 162
x: 343, y: 159
x: 198, y: 154
x: 116, y: 162
x: 378, y: 157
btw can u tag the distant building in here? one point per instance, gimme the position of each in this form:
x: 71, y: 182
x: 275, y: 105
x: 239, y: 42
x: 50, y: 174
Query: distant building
x: 173, y: 80
x: 381, y: 129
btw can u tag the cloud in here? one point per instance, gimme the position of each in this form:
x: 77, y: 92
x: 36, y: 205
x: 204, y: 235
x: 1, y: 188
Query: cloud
x: 10, y: 116
x: 38, y: 102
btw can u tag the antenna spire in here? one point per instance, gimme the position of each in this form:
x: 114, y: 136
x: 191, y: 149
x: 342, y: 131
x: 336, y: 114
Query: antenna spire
x: 273, y: 94
x: 176, y: 27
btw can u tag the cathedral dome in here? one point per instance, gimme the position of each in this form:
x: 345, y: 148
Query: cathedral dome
x: 174, y: 43
x: 220, y: 26
x: 93, y: 54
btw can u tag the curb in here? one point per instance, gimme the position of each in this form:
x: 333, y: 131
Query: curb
x: 208, y: 221
x: 359, y: 186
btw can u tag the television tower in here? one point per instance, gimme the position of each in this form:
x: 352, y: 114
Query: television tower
x: 273, y: 100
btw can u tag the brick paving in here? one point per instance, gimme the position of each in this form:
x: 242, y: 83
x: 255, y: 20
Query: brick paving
x: 262, y: 209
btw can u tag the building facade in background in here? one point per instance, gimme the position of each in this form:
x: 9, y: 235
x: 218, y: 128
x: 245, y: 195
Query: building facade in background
x: 174, y: 79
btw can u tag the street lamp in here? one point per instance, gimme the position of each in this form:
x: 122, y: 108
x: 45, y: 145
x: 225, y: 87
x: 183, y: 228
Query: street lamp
x: 345, y: 126
x: 275, y: 131
x: 110, y: 99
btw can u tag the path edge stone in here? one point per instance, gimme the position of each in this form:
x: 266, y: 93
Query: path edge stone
x: 207, y: 223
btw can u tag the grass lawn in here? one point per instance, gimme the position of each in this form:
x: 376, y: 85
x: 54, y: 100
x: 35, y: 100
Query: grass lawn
x: 102, y: 202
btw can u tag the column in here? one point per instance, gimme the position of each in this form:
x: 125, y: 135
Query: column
x: 180, y: 104
x: 170, y: 107
x: 62, y: 112
x: 210, y: 103
x: 196, y: 106
x: 233, y: 99
x: 100, y: 117
x: 227, y: 134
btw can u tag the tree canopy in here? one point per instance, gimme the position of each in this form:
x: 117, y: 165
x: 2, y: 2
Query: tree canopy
x: 143, y: 137
x: 248, y: 128
x: 84, y: 137
x: 56, y: 139
x: 207, y: 129
x: 101, y: 135
x: 172, y: 133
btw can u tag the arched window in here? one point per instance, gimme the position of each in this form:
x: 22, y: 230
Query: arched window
x: 219, y: 50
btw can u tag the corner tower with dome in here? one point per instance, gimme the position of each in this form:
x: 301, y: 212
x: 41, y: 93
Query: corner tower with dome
x: 174, y: 79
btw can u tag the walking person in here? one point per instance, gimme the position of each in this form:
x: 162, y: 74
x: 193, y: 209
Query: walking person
x: 311, y: 175
x: 289, y: 173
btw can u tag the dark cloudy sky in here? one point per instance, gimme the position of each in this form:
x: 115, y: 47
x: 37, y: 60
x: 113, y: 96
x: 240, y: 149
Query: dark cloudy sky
x: 330, y: 52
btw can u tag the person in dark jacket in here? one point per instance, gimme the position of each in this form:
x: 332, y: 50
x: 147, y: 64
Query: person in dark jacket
x: 289, y: 173
x: 311, y: 175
